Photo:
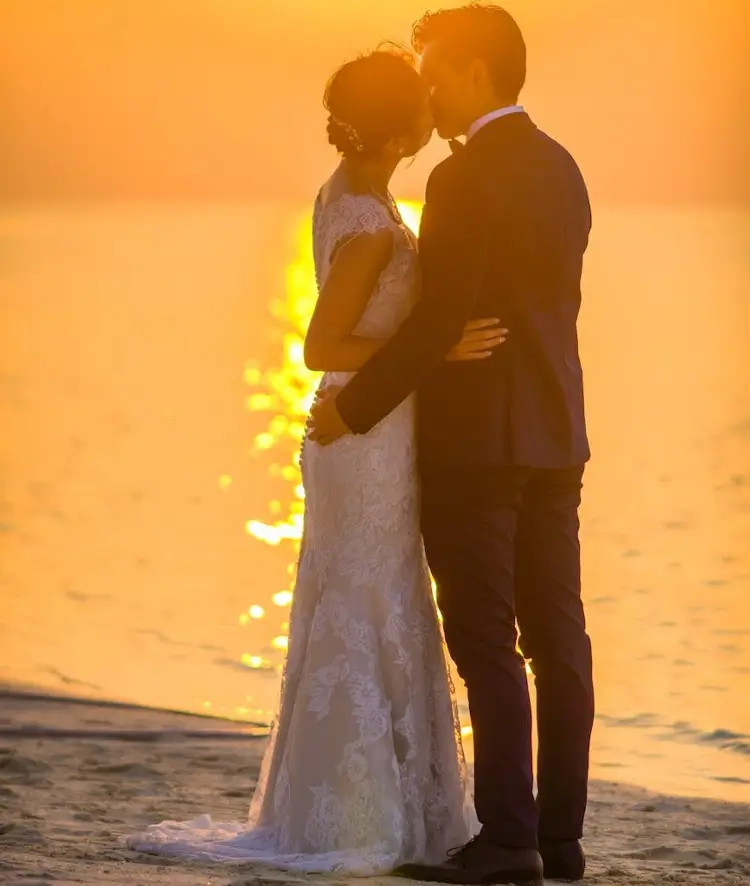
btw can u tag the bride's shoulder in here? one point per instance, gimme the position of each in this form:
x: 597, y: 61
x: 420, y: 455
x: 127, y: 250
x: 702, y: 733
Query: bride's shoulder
x: 362, y: 212
x: 334, y: 202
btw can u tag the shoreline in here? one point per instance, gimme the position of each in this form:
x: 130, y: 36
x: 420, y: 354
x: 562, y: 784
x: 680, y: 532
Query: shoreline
x: 70, y: 788
x: 32, y: 695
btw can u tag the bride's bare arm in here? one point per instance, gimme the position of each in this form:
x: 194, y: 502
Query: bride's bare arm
x: 330, y: 343
x: 331, y: 346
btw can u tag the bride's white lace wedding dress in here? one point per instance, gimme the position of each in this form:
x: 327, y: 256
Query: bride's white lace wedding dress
x: 364, y: 769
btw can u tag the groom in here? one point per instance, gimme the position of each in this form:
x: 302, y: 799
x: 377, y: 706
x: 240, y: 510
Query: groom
x: 502, y: 443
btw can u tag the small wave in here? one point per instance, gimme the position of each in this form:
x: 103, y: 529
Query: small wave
x: 135, y: 735
x: 22, y: 694
x: 71, y: 681
x: 727, y: 740
x: 721, y: 739
x: 163, y: 638
x: 636, y: 721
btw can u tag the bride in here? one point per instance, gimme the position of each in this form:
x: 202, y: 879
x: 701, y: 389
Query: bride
x: 364, y: 770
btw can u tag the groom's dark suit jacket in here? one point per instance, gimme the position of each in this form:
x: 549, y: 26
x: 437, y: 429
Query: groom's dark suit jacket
x: 505, y: 226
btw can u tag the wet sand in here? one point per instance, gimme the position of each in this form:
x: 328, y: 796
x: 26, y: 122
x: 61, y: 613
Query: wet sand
x: 77, y: 777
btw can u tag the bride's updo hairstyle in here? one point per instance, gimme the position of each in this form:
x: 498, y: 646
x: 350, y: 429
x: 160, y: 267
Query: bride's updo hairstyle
x: 373, y: 99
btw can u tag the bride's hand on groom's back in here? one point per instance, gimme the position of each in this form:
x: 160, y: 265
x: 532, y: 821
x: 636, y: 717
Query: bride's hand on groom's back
x: 479, y: 340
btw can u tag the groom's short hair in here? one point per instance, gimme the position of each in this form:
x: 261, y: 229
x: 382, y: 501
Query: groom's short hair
x: 479, y: 30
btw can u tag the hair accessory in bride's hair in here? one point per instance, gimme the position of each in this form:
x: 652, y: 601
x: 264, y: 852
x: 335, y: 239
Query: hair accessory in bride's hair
x: 348, y: 131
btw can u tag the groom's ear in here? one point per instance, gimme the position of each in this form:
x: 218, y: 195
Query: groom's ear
x: 479, y: 72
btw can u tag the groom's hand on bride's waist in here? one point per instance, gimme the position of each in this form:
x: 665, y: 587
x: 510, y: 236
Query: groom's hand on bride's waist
x: 325, y: 425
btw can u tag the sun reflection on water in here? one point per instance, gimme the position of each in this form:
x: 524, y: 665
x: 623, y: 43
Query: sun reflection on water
x: 285, y: 394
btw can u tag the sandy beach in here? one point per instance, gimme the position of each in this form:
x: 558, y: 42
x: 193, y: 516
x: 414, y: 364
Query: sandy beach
x: 76, y: 777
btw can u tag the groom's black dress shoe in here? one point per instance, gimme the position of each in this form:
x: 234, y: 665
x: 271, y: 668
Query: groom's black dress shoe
x: 565, y: 860
x: 481, y: 862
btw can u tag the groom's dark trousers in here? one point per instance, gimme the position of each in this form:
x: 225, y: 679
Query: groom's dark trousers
x: 504, y: 548
x: 502, y: 444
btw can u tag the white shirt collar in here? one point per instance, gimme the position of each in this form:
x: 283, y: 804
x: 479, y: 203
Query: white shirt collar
x: 488, y: 118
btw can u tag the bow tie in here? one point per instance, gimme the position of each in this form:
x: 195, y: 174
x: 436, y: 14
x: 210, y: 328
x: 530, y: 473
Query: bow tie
x: 455, y: 145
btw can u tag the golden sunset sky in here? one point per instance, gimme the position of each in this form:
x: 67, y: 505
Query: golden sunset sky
x: 222, y: 98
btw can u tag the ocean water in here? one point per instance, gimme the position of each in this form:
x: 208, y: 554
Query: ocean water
x: 151, y: 390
